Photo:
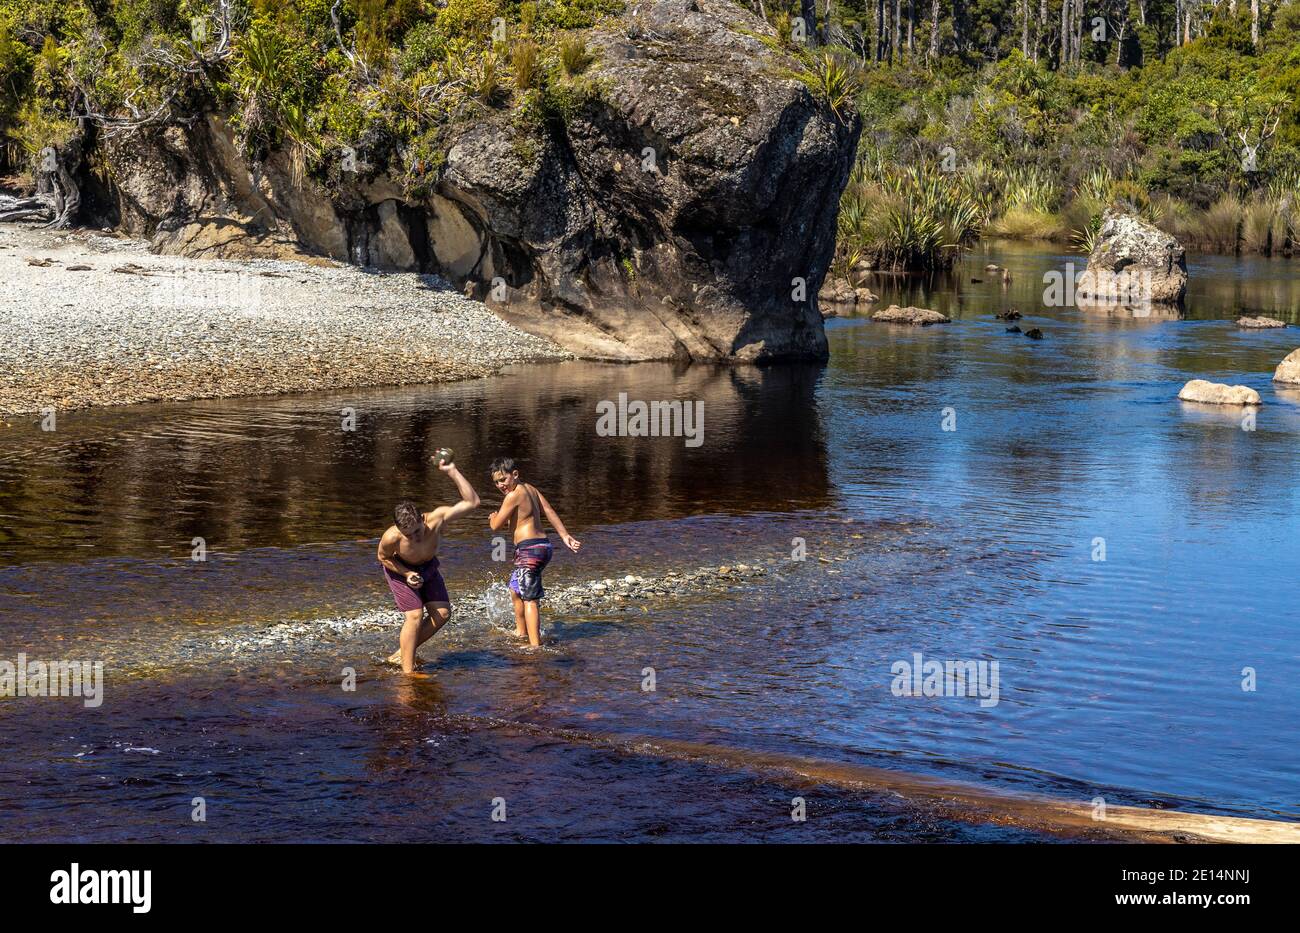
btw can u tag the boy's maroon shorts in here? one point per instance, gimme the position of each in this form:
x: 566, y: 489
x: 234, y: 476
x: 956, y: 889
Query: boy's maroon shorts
x: 433, y: 590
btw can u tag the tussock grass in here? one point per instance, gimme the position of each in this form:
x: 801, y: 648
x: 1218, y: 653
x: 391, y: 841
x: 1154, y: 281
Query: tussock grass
x: 1027, y: 223
x: 526, y: 64
x: 574, y: 56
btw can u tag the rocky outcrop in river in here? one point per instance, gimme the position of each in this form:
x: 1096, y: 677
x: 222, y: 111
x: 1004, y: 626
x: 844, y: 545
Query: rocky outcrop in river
x: 1133, y: 263
x: 687, y: 210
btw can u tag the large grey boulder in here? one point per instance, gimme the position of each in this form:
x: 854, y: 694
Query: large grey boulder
x: 685, y: 210
x: 1133, y: 263
x: 689, y: 211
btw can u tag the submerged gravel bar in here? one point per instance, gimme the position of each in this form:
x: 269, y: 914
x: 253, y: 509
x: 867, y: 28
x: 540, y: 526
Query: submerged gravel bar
x: 90, y: 320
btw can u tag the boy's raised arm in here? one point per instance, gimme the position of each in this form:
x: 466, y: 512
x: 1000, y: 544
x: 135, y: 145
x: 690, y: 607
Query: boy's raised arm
x: 469, y: 500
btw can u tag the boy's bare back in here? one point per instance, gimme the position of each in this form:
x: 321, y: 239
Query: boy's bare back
x: 527, y: 512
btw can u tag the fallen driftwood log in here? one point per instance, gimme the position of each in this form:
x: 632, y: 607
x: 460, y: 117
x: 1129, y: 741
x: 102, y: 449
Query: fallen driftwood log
x: 35, y: 208
x: 57, y: 197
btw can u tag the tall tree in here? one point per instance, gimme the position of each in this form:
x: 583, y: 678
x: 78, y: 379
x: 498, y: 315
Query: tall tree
x: 1042, y: 27
x: 1123, y: 28
x: 1065, y: 33
x: 808, y: 13
x: 896, y: 49
x: 934, y: 29
x: 1078, y: 31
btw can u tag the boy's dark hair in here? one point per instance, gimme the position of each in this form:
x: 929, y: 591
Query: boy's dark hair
x: 502, y: 465
x: 408, y: 517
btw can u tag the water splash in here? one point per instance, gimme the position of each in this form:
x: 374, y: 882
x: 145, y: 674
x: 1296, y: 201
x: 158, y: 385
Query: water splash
x: 498, y: 606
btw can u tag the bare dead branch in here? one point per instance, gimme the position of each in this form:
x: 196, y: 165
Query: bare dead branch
x: 356, y: 60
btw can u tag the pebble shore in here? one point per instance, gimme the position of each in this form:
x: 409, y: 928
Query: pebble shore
x: 612, y: 596
x: 88, y: 319
x: 627, y: 592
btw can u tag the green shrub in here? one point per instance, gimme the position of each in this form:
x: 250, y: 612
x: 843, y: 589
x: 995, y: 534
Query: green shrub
x: 911, y: 218
x: 468, y: 18
x: 38, y: 126
x: 549, y: 108
x: 423, y: 45
x: 575, y: 14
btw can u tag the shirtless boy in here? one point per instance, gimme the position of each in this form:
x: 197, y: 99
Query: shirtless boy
x: 526, y: 506
x: 408, y: 552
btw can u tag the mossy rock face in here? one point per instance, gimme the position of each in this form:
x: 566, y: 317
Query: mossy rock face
x: 686, y: 209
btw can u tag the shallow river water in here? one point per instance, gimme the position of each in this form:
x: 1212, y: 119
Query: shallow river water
x: 945, y: 491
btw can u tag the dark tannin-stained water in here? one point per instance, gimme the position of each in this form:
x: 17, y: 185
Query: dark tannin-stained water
x: 950, y: 490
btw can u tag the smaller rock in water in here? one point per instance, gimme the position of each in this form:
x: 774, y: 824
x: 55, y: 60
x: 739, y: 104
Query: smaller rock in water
x: 991, y: 267
x: 1013, y: 329
x: 920, y: 316
x: 865, y: 296
x: 1259, y: 323
x: 1216, y: 393
x: 837, y: 291
x: 1288, y: 371
x: 1034, y: 333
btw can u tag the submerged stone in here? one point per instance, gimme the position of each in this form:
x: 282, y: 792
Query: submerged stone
x: 1259, y: 323
x: 918, y: 316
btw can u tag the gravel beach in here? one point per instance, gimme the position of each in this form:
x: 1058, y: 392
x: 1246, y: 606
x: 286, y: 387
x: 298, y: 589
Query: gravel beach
x: 88, y: 319
x: 607, y: 598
